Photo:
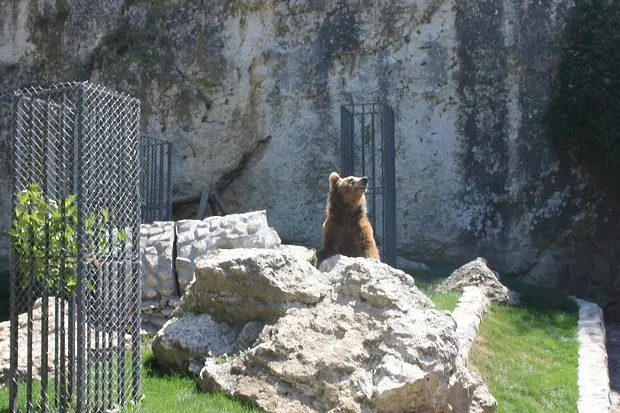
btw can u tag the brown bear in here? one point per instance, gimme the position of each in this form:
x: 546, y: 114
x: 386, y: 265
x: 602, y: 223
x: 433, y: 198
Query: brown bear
x: 346, y: 229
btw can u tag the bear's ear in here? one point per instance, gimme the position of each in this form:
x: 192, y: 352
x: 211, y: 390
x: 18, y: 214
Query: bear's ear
x: 333, y: 178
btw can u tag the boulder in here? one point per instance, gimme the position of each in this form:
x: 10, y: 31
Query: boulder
x: 241, y: 285
x: 191, y: 339
x: 195, y: 238
x: 478, y: 274
x: 362, y: 338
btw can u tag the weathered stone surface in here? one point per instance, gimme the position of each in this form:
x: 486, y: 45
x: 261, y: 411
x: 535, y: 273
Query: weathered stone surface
x: 477, y: 273
x: 375, y: 344
x: 307, y: 254
x: 468, y: 314
x: 249, y: 334
x: 192, y: 338
x: 468, y: 393
x: 241, y: 285
x: 149, y: 306
x: 376, y: 282
x: 195, y: 238
x: 253, y: 112
x: 156, y: 244
x: 612, y: 331
x: 593, y: 375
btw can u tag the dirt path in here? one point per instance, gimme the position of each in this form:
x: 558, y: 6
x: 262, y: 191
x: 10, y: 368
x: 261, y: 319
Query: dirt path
x: 613, y: 361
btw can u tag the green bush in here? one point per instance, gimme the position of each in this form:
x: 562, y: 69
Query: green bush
x: 585, y: 112
x: 44, y: 236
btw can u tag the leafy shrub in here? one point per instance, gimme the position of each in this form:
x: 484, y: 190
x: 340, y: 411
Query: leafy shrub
x: 45, y: 236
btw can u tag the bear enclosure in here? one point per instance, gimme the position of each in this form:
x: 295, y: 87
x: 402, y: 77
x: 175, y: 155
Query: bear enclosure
x: 74, y: 255
x: 368, y: 149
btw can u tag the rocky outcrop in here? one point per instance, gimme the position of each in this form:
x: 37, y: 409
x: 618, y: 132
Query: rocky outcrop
x: 478, y: 274
x: 358, y: 336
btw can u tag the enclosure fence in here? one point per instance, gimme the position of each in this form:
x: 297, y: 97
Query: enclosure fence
x: 368, y: 149
x: 155, y: 179
x: 74, y: 250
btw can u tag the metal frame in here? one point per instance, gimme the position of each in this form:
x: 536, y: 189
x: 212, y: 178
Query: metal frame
x: 79, y: 262
x: 367, y: 148
x: 155, y: 179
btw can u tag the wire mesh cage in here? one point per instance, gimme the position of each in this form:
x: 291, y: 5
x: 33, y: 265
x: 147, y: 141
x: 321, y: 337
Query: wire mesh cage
x: 5, y: 182
x: 367, y: 148
x: 155, y: 179
x: 74, y: 256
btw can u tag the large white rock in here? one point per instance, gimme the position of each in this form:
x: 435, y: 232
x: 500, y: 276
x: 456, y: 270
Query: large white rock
x: 195, y: 238
x: 241, y: 285
x: 358, y: 336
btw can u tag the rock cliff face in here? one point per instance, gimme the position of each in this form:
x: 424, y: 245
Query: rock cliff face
x: 250, y: 94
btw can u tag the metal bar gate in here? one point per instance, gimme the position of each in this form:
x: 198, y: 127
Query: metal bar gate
x: 155, y: 179
x: 367, y: 148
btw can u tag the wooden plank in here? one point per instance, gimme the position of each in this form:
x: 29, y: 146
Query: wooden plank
x: 219, y: 205
x: 204, y: 196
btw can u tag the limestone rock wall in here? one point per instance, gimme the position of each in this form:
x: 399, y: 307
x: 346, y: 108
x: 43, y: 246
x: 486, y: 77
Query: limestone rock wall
x: 250, y: 91
x: 156, y: 254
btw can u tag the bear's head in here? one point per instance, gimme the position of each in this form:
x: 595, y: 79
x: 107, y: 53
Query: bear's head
x: 350, y: 189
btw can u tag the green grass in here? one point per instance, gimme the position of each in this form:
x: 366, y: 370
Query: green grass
x: 163, y: 392
x: 174, y: 392
x: 425, y: 280
x: 445, y: 301
x: 528, y: 354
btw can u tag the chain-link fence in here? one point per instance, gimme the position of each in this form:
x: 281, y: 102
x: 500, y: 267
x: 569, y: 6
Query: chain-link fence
x: 155, y: 179
x: 367, y: 148
x: 74, y: 250
x: 5, y: 173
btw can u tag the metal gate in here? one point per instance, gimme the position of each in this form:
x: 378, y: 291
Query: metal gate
x: 155, y: 179
x: 367, y: 149
x: 74, y: 258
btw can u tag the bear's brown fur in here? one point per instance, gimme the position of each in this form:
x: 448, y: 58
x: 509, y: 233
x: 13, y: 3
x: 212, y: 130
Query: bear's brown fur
x: 346, y: 229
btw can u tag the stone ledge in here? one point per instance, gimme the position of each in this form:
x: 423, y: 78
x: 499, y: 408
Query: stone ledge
x: 593, y: 373
x: 468, y: 313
